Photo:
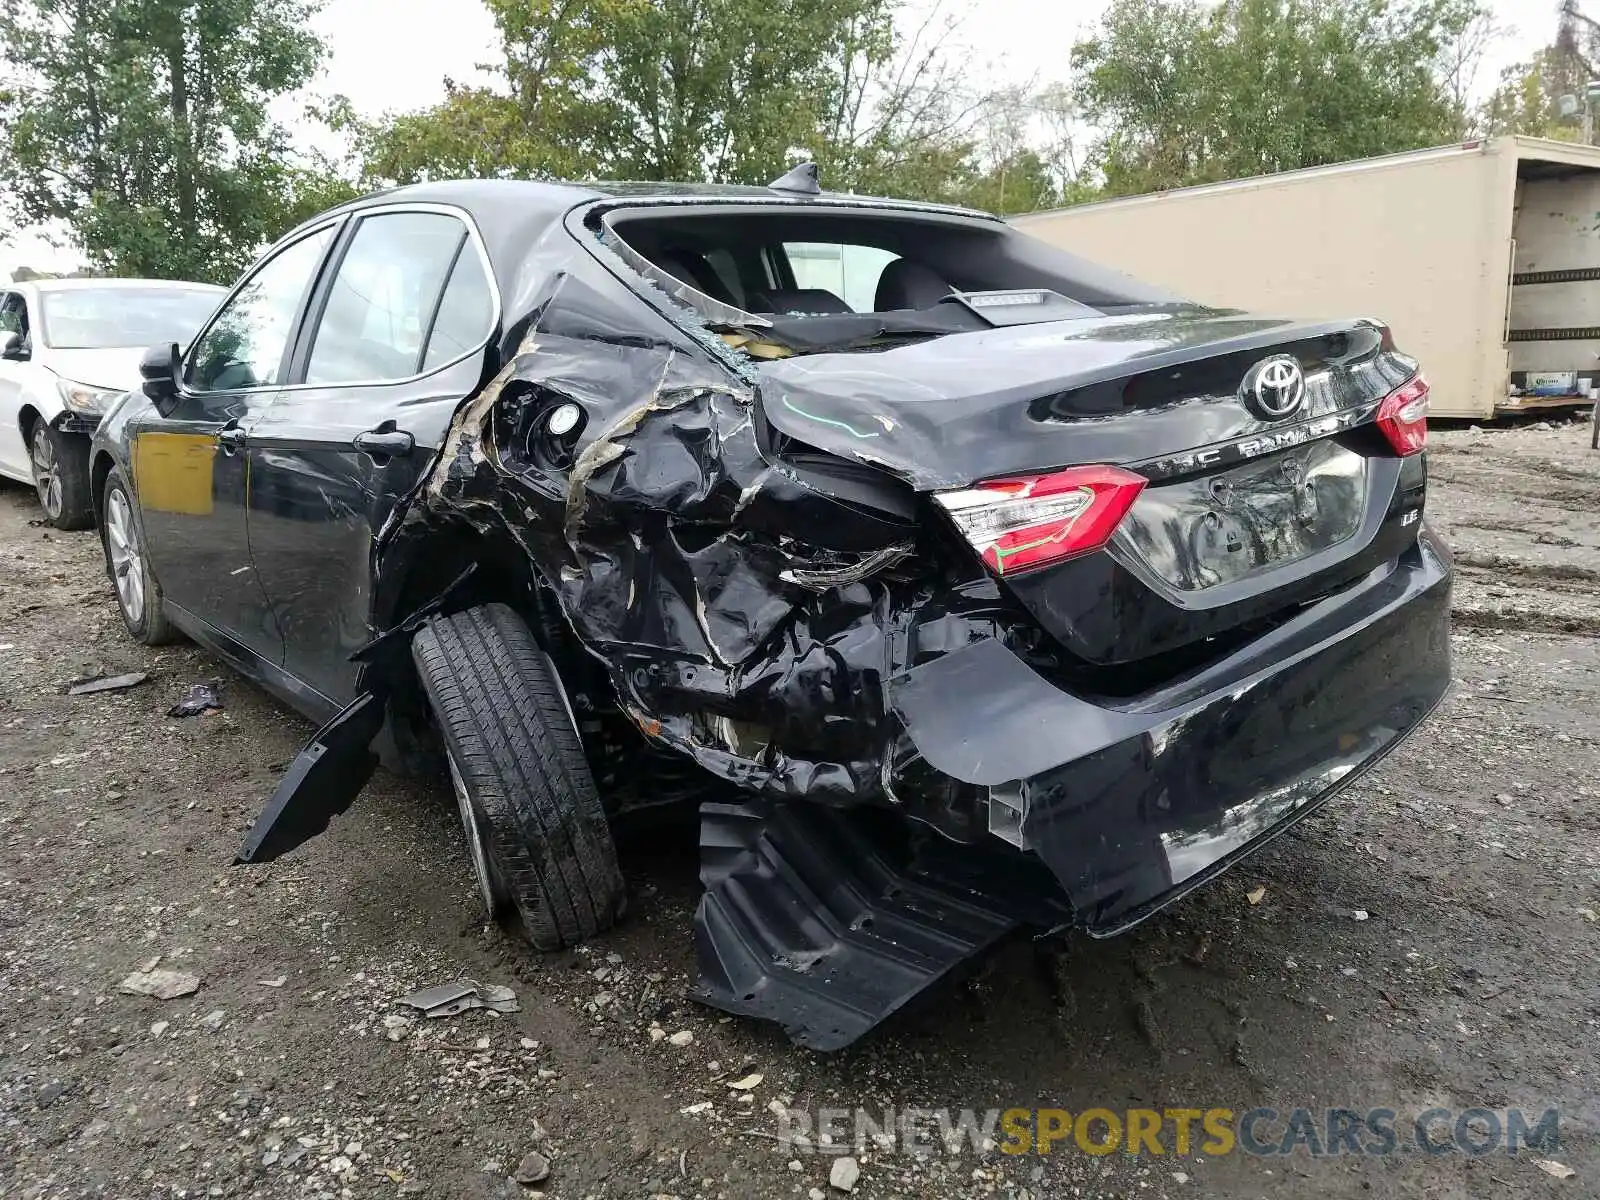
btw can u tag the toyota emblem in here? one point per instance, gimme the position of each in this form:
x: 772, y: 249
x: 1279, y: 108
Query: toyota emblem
x: 1275, y: 387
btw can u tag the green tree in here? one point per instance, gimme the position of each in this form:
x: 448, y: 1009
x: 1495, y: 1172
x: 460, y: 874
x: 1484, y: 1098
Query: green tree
x: 143, y: 126
x: 1185, y: 92
x: 1018, y: 183
x: 900, y: 119
x: 473, y: 133
x: 1528, y: 99
x: 549, y: 115
x: 721, y: 90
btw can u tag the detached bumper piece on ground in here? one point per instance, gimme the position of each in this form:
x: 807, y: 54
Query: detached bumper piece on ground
x: 807, y: 919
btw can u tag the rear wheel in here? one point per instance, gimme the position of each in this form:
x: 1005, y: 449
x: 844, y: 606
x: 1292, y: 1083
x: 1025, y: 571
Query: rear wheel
x: 539, y: 840
x: 138, y: 594
x: 61, y: 476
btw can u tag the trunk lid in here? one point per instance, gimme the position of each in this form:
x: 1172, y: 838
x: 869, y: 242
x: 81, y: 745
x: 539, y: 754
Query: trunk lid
x: 1246, y: 514
x: 952, y: 410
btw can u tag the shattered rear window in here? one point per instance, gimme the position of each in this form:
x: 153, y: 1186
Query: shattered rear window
x: 779, y: 280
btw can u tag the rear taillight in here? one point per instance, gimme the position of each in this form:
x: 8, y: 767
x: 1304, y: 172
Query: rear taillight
x: 1031, y: 521
x: 1403, y: 416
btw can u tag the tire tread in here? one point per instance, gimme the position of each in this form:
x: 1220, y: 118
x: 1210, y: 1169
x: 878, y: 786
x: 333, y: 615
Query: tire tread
x: 505, y: 721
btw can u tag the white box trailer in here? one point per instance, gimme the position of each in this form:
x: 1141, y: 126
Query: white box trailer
x: 1484, y: 258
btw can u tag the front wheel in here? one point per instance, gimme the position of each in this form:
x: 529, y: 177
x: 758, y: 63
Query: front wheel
x: 539, y: 840
x: 61, y: 476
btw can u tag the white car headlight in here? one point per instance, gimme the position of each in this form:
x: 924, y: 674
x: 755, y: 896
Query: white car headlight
x: 80, y: 397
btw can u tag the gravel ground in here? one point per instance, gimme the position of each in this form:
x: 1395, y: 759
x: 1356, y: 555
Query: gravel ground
x: 1428, y: 939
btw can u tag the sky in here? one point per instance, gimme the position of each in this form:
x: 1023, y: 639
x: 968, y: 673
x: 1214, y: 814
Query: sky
x: 393, y: 55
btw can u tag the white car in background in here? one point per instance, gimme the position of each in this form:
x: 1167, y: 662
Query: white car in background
x: 68, y: 349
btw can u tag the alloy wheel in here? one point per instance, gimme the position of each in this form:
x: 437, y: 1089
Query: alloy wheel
x: 475, y: 846
x: 46, y: 471
x: 127, y: 557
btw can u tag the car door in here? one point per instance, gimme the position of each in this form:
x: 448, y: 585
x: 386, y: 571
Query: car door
x: 189, y: 466
x: 395, y: 343
x: 13, y: 374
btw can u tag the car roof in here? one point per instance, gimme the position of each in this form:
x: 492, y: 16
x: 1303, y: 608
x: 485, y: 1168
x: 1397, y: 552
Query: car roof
x: 88, y: 284
x: 560, y: 194
x: 513, y: 206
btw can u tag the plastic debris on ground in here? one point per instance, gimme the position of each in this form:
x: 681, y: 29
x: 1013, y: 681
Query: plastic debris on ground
x: 108, y: 683
x: 449, y: 999
x: 199, y: 699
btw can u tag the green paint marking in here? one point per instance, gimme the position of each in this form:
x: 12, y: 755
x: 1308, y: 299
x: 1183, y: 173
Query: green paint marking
x: 850, y: 429
x: 1002, y: 555
x: 1061, y: 536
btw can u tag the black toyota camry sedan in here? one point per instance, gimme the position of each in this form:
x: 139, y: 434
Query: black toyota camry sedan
x: 965, y: 585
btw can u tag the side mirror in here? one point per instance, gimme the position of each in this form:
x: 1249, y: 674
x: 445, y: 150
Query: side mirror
x: 159, y: 369
x: 11, y: 347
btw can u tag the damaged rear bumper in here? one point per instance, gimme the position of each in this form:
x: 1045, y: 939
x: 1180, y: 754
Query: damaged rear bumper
x: 1133, y: 804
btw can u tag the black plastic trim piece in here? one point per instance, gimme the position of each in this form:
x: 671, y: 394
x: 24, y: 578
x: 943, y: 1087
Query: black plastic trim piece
x: 806, y: 921
x: 322, y: 782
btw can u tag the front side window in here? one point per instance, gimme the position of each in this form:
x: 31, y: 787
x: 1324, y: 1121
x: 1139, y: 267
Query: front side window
x: 104, y: 318
x: 385, y: 297
x: 245, y: 346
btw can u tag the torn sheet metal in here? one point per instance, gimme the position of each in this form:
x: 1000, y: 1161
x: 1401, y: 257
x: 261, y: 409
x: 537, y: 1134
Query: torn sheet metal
x: 745, y: 610
x: 108, y: 683
x: 453, y: 999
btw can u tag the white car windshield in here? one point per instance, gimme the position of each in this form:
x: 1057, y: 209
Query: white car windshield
x: 99, y: 318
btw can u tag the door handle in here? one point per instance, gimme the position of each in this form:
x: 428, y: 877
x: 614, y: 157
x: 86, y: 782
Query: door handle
x: 230, y: 437
x: 385, y: 442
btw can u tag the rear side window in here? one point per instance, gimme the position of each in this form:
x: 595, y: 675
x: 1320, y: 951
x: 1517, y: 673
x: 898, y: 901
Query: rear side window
x: 465, y: 313
x: 384, y: 298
